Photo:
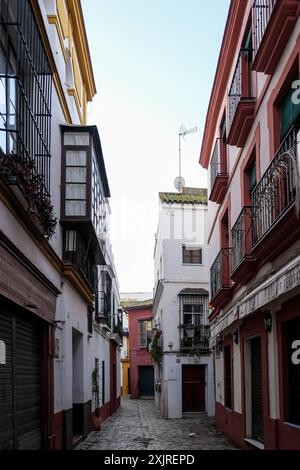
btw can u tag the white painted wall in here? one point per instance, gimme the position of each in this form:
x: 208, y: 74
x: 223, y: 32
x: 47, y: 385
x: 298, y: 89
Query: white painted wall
x: 179, y: 225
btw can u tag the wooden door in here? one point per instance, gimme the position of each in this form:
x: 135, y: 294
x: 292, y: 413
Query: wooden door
x: 146, y: 381
x: 193, y: 389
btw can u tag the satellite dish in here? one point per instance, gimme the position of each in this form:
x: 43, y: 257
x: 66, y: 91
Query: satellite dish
x: 179, y: 183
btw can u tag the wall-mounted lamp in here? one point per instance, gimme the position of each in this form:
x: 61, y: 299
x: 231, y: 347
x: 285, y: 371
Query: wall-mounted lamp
x: 170, y: 345
x: 236, y: 336
x: 268, y: 321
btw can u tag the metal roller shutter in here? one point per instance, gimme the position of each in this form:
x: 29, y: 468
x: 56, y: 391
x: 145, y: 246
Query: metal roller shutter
x: 6, y: 384
x: 28, y: 379
x: 20, y: 382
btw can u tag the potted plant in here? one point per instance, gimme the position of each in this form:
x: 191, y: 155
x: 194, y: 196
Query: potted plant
x: 28, y: 186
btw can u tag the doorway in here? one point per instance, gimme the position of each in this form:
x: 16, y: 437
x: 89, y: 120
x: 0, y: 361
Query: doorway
x: 256, y: 391
x: 193, y: 389
x: 77, y: 379
x: 146, y: 381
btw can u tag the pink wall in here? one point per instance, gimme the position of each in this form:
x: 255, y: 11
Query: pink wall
x: 138, y: 356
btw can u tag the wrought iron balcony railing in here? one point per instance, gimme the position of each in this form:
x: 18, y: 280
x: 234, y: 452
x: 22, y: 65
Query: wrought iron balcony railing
x: 276, y: 190
x: 241, y: 236
x: 103, y: 307
x: 241, y: 86
x: 261, y: 14
x: 218, y: 161
x: 219, y: 272
x: 77, y: 253
x: 192, y: 344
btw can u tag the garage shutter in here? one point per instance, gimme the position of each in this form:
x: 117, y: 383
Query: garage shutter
x: 6, y: 387
x: 20, y: 383
x: 28, y: 374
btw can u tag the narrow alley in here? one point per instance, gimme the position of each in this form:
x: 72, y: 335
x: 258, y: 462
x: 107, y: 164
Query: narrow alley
x: 138, y: 425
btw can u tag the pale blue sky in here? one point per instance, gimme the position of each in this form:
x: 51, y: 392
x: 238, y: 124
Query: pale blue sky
x: 154, y: 63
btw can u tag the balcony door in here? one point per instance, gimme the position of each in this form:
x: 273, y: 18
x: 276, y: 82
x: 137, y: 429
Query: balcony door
x: 193, y: 389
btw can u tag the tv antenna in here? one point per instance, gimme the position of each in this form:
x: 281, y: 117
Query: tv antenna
x: 179, y: 181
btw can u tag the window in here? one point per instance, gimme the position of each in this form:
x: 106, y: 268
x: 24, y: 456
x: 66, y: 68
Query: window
x: 193, y: 309
x: 84, y: 182
x: 191, y: 255
x: 194, y: 313
x: 145, y: 326
x: 76, y: 179
x: 292, y: 329
x: 98, y: 201
x: 70, y: 241
x: 25, y: 91
x: 251, y: 173
x: 289, y: 112
x: 228, y: 376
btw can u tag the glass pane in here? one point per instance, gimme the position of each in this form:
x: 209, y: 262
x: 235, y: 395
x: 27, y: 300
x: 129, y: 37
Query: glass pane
x: 71, y: 240
x: 2, y: 139
x: 75, y: 208
x: 2, y: 96
x: 12, y: 104
x: 77, y: 138
x: 76, y: 158
x: 76, y: 175
x: 75, y: 191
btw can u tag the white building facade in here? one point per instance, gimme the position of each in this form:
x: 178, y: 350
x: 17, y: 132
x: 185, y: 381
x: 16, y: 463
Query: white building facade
x: 183, y: 370
x: 56, y: 325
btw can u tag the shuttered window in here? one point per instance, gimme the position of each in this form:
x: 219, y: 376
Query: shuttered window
x: 191, y: 255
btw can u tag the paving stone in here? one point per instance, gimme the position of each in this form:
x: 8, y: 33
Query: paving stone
x: 137, y: 425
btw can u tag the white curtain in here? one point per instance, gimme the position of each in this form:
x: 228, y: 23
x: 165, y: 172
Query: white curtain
x: 73, y: 138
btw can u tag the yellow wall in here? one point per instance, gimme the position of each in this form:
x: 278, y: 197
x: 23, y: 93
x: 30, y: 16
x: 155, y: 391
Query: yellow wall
x: 67, y: 20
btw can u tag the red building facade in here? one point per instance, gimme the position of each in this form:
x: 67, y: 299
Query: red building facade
x: 250, y: 147
x: 141, y: 365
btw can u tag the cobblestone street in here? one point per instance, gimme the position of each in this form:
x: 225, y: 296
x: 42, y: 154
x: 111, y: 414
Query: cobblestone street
x: 137, y: 426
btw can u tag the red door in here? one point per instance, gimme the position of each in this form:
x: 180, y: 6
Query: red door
x: 193, y: 389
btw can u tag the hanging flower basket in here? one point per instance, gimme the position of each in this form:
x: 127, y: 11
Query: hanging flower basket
x: 21, y: 174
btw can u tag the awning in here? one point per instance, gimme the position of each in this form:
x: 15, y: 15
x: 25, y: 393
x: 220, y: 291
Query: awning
x: 278, y: 284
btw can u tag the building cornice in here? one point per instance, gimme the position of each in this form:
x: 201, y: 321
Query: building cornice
x: 228, y: 51
x: 82, y: 46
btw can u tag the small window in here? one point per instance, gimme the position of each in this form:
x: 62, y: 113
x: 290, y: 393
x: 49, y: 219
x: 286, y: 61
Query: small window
x: 71, y: 240
x: 77, y: 138
x: 191, y: 255
x: 145, y: 326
